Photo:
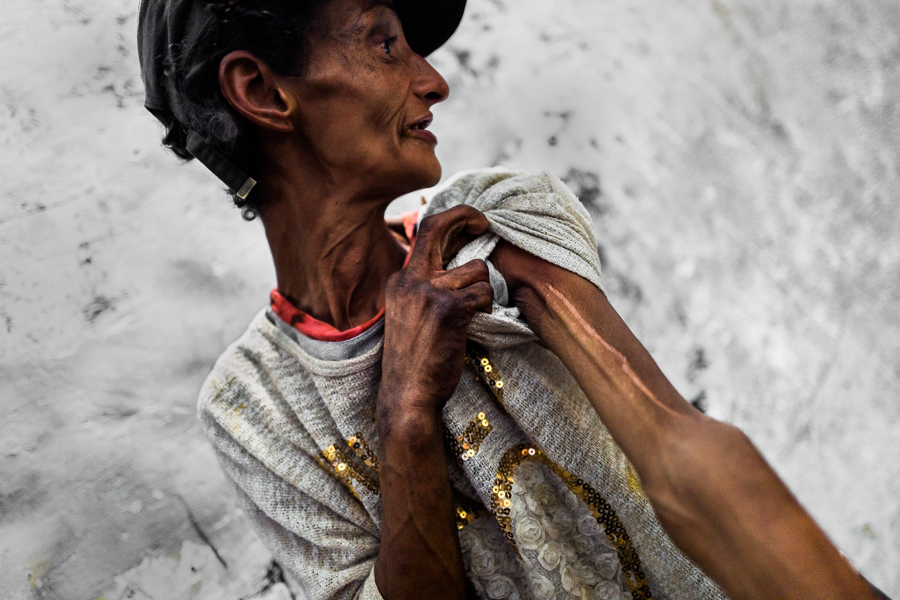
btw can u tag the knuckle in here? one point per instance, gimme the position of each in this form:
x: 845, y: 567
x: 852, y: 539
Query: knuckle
x: 404, y: 286
x: 428, y: 224
x: 444, y: 309
x: 465, y: 209
x: 481, y: 269
x: 485, y: 287
x: 395, y: 279
x: 483, y: 291
x: 397, y: 284
x: 434, y: 298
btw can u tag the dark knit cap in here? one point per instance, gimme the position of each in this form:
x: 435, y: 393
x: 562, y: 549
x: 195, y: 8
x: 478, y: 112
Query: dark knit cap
x: 169, y: 26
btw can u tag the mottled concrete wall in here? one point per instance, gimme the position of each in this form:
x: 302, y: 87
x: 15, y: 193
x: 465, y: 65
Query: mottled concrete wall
x: 740, y: 158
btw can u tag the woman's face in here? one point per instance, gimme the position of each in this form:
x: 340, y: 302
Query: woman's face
x: 364, y: 100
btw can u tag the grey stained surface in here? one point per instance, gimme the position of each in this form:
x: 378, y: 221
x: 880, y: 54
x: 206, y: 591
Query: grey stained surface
x: 740, y: 158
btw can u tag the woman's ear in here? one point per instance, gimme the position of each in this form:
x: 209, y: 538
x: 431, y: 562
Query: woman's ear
x: 255, y: 91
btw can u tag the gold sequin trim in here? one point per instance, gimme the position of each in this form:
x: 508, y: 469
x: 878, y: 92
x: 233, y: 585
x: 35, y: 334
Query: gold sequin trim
x: 478, y: 360
x: 466, y: 445
x: 362, y: 449
x: 467, y: 511
x: 601, y: 510
x: 345, y: 463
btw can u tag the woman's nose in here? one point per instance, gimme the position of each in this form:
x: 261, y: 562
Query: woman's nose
x: 429, y: 84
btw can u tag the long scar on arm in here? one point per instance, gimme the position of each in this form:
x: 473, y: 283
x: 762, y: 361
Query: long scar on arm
x: 578, y: 327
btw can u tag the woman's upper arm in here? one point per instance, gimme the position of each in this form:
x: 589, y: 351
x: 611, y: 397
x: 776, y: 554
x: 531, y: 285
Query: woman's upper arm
x: 530, y: 279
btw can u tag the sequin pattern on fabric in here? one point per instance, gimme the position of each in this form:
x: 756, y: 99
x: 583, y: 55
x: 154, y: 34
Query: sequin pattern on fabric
x: 465, y: 445
x: 362, y: 449
x: 355, y: 463
x: 596, y: 530
x: 478, y: 360
x: 468, y: 510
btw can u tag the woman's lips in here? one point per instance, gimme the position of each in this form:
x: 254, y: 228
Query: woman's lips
x: 419, y: 130
x: 422, y: 134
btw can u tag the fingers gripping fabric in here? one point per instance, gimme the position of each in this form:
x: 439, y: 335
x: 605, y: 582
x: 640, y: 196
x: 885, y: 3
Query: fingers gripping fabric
x: 537, y: 213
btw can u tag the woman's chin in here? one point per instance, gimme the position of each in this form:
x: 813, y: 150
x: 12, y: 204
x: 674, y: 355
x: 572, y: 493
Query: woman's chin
x: 402, y: 174
x: 424, y: 174
x: 434, y: 174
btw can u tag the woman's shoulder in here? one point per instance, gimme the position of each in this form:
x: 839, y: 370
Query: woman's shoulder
x: 266, y: 385
x: 243, y: 399
x: 236, y: 374
x: 243, y: 391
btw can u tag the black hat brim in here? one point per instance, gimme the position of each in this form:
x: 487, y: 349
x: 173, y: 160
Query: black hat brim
x: 428, y: 24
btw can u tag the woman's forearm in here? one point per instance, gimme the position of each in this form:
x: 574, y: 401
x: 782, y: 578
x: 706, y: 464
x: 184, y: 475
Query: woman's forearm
x: 714, y: 493
x: 427, y: 310
x: 419, y: 555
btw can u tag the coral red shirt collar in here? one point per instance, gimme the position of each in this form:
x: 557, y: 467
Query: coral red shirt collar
x: 319, y: 330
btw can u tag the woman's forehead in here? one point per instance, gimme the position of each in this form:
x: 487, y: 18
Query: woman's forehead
x: 350, y: 17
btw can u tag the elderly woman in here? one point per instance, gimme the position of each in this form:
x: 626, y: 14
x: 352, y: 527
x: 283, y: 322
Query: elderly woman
x: 442, y: 409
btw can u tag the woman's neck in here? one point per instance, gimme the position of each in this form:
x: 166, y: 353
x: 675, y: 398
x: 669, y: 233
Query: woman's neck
x: 332, y: 250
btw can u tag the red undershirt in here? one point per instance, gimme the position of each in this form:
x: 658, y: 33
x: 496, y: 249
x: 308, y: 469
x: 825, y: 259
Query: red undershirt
x: 319, y: 330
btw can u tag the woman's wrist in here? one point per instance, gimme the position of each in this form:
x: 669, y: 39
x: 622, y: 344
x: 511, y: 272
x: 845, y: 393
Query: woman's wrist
x: 408, y: 415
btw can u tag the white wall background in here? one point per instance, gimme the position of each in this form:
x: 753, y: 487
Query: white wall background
x: 740, y: 158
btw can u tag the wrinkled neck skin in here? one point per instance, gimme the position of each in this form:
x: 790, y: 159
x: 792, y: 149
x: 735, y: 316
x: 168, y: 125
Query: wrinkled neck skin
x: 332, y: 250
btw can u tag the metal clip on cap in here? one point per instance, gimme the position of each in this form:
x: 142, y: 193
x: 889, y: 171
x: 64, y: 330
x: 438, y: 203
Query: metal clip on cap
x: 237, y: 181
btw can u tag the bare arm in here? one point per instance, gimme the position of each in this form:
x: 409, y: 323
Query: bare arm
x: 713, y: 492
x: 419, y: 552
x: 427, y: 312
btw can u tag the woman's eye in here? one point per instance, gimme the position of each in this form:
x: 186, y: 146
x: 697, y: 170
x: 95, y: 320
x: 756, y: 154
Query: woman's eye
x: 388, y: 44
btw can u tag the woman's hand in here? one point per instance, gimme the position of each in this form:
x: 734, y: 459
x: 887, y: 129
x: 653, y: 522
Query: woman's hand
x: 428, y: 310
